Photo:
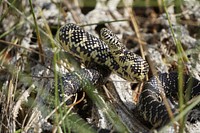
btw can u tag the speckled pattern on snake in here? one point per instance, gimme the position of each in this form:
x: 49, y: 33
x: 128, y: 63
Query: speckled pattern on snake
x: 111, y: 53
x: 89, y: 48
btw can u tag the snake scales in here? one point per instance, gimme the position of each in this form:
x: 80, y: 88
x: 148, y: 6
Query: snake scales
x: 89, y: 48
x: 112, y: 54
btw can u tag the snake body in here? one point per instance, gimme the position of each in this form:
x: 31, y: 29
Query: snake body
x: 111, y: 53
x: 89, y: 48
x: 75, y: 81
x: 151, y: 105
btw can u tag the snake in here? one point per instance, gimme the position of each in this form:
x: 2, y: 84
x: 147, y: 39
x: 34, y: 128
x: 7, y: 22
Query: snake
x: 89, y: 48
x: 74, y: 81
x: 110, y: 52
x: 151, y: 106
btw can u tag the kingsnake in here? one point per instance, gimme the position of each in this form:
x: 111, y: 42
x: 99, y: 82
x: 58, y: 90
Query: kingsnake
x: 111, y: 53
x: 90, y: 48
x: 151, y: 105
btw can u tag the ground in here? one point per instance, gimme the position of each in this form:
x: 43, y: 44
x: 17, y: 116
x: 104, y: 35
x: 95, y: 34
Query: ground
x: 165, y: 33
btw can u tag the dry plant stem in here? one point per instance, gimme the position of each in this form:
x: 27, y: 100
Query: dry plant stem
x: 195, y: 101
x: 135, y: 25
x: 116, y: 101
x: 32, y: 120
x: 136, y: 93
x: 47, y: 67
x: 108, y: 94
x: 190, y: 22
x: 66, y: 113
x: 169, y: 111
x: 4, y: 56
x: 30, y: 22
x: 23, y: 98
x: 19, y: 46
x: 6, y: 11
x: 168, y: 108
x: 48, y: 30
x: 70, y: 6
x: 9, y: 103
x: 181, y: 95
x: 53, y: 111
x: 70, y: 108
x: 103, y: 22
x: 77, y: 102
x: 160, y: 5
x: 28, y: 49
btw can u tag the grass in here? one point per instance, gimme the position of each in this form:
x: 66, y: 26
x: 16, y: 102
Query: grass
x: 20, y: 89
x: 37, y: 33
x: 181, y: 61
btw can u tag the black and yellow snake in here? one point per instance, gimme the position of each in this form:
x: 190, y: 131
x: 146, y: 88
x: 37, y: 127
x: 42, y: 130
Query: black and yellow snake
x: 111, y: 53
x: 89, y: 48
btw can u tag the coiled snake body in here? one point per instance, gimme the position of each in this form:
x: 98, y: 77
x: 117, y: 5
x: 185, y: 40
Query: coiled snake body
x: 151, y: 105
x: 112, y: 54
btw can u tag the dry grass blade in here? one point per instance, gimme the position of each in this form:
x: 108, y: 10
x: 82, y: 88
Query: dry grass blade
x: 23, y: 98
x: 180, y: 69
x: 57, y: 107
x: 34, y: 61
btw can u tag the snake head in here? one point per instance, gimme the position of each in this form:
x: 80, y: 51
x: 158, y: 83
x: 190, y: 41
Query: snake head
x: 132, y: 65
x: 111, y: 40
